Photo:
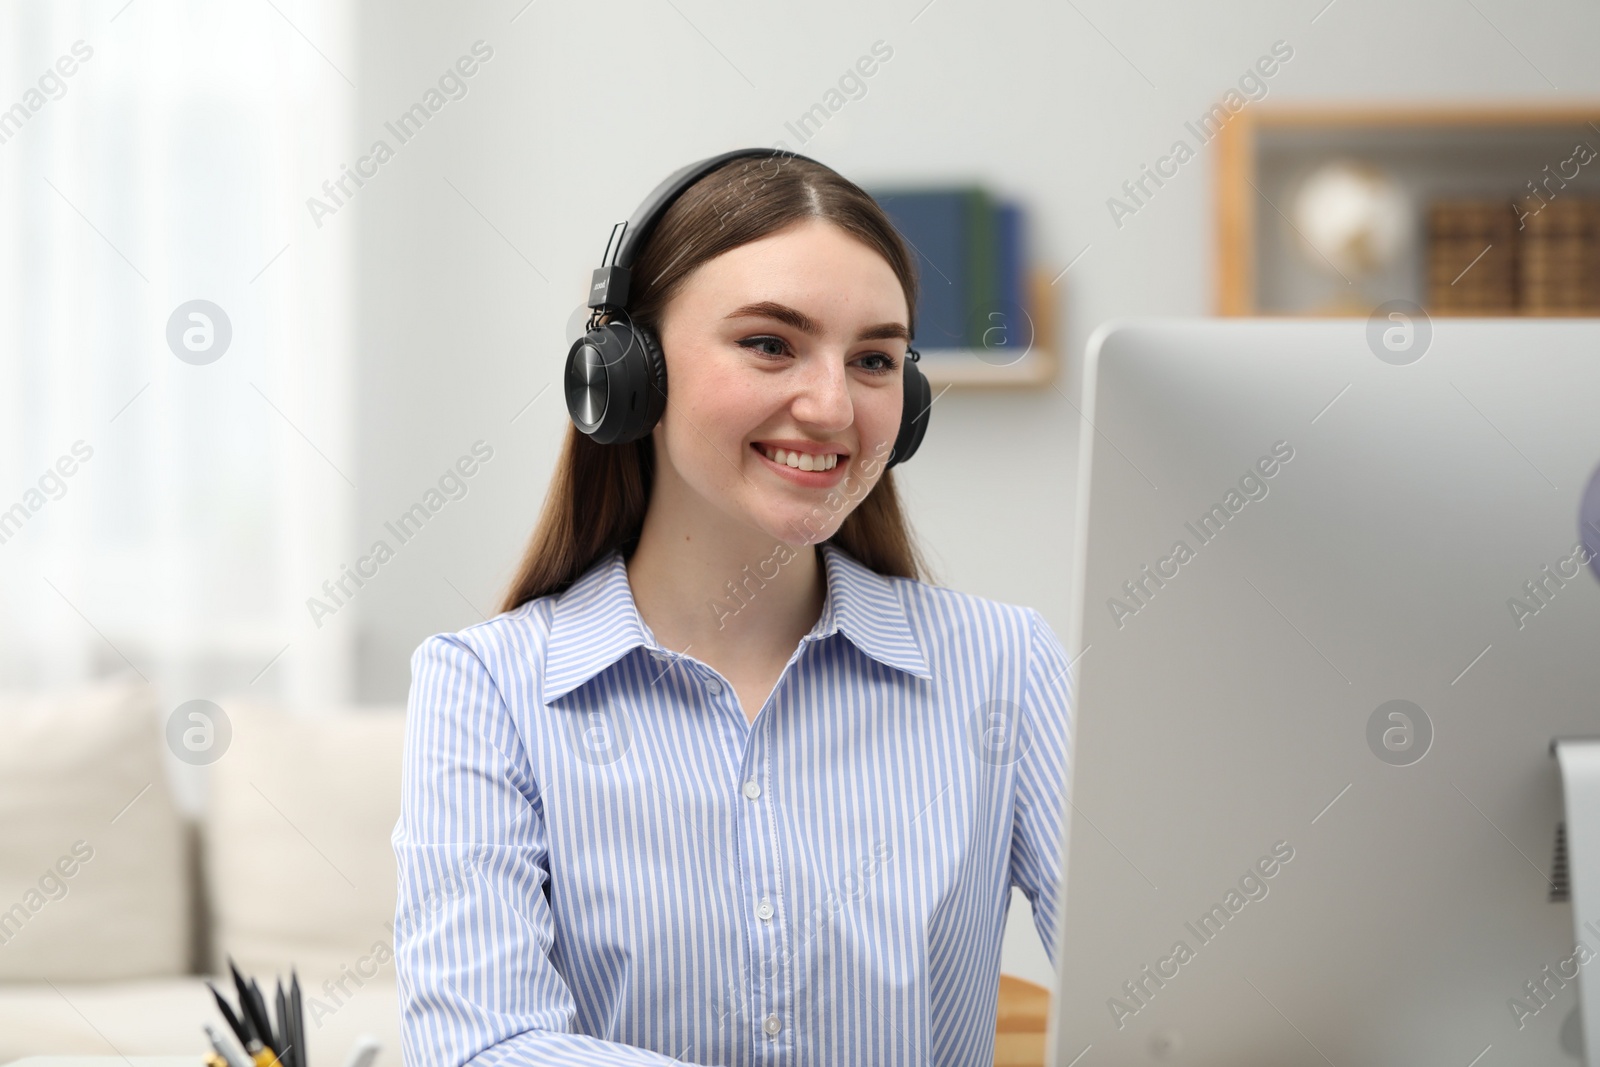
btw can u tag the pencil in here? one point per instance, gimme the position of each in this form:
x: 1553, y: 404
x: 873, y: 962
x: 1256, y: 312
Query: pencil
x: 285, y: 1043
x: 246, y: 1008
x: 297, y: 1017
x: 229, y: 1017
x: 258, y: 1004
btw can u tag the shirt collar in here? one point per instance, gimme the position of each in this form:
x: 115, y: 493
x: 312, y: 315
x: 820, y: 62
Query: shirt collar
x: 596, y: 621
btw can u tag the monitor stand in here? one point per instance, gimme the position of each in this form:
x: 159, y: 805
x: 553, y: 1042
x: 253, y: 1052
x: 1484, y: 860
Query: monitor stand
x: 1579, y: 758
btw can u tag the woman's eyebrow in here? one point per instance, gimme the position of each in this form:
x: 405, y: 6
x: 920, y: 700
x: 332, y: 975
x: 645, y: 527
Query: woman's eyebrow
x: 771, y: 309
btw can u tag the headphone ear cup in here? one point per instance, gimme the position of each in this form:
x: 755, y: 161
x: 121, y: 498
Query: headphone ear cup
x: 616, y: 380
x: 586, y: 382
x: 655, y: 359
x: 917, y: 406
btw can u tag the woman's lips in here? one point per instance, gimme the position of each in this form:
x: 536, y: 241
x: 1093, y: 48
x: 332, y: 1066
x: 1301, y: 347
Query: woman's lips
x: 810, y: 479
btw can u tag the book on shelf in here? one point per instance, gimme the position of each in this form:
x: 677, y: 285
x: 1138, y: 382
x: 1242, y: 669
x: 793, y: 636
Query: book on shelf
x: 1488, y: 256
x: 1558, y: 260
x: 1471, y: 261
x: 970, y: 253
x: 1016, y: 326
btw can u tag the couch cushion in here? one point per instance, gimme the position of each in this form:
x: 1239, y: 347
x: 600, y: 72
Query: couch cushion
x: 92, y: 853
x: 298, y: 862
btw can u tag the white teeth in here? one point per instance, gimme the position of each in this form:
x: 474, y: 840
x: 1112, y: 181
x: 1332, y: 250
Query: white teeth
x: 801, y: 460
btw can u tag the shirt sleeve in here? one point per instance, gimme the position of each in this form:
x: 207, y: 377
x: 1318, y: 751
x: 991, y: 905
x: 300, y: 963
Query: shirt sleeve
x: 1038, y: 831
x: 473, y: 925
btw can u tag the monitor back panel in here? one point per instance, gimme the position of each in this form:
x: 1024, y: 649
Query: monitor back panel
x: 1314, y: 811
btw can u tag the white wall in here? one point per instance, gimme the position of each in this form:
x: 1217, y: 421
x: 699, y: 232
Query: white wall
x: 583, y: 108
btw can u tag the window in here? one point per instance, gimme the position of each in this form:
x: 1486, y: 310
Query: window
x: 171, y: 515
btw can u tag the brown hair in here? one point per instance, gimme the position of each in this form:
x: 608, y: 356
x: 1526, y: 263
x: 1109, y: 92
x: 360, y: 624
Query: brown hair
x: 599, y: 493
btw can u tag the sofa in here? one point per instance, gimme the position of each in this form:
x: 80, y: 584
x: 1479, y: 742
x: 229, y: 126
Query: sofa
x: 115, y: 904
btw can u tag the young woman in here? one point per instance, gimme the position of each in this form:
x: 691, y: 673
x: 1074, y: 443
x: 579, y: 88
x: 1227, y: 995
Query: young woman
x: 727, y: 782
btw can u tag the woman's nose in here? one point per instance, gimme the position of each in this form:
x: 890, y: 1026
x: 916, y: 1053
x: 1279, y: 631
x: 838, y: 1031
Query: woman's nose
x: 824, y: 396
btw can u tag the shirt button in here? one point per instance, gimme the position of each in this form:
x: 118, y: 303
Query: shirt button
x: 752, y: 789
x: 764, y: 910
x: 772, y: 1025
x: 713, y: 686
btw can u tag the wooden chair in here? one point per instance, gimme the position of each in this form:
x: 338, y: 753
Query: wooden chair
x: 1019, y: 1027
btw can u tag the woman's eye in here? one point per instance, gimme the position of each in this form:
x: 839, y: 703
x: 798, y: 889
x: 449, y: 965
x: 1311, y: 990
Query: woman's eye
x: 777, y: 348
x: 760, y: 344
x: 884, y: 366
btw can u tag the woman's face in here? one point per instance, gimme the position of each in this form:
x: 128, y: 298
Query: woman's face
x: 794, y: 341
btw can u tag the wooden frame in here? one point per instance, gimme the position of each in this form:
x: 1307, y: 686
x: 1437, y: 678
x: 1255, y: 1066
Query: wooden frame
x: 1237, y: 202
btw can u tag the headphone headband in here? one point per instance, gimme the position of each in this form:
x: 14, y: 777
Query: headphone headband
x: 609, y: 288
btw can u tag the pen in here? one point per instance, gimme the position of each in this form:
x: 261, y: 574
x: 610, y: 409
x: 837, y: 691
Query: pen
x: 223, y: 1049
x: 363, y: 1052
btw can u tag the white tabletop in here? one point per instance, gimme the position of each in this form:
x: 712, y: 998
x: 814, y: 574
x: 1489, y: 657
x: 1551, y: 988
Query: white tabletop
x: 107, y: 1061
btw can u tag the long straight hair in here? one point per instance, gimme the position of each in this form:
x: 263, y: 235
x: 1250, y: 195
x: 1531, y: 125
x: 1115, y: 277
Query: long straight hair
x: 599, y: 494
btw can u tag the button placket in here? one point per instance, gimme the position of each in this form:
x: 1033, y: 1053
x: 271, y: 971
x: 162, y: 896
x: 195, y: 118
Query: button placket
x: 761, y: 880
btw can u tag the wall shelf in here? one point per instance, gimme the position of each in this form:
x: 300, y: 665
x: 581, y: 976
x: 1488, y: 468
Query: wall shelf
x: 1001, y: 367
x: 1487, y: 151
x: 973, y: 367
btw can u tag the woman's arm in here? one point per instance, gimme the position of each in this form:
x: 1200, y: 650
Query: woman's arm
x: 1037, y: 834
x: 473, y: 926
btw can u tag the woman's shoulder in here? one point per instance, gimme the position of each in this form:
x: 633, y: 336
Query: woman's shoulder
x: 954, y: 625
x: 520, y: 635
x: 510, y: 637
x: 968, y: 632
x: 516, y: 649
x: 958, y: 607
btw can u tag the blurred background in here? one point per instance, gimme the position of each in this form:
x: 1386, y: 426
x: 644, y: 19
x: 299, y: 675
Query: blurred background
x: 269, y: 269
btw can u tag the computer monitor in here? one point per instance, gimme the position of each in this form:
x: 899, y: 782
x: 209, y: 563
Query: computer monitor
x: 1332, y: 608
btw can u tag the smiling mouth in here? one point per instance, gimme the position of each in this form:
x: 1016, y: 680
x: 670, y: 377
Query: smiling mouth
x: 803, y: 461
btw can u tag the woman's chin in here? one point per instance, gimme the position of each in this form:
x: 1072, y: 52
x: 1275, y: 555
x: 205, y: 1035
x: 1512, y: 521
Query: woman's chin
x: 797, y: 528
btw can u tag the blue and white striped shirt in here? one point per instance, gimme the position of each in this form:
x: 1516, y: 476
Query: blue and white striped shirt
x: 602, y: 861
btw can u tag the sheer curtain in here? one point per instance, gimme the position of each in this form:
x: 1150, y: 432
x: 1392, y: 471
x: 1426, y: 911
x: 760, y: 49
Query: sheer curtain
x: 175, y: 478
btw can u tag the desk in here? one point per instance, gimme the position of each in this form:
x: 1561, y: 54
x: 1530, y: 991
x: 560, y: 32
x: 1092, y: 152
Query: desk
x: 108, y: 1061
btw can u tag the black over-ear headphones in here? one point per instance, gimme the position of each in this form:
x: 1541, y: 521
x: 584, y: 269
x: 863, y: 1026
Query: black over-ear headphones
x: 616, y: 376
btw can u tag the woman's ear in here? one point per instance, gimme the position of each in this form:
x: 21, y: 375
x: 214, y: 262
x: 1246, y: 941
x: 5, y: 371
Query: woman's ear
x: 653, y: 447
